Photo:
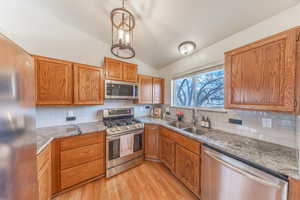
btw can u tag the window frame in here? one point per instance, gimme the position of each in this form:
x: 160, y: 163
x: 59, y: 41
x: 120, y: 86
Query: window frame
x: 203, y: 108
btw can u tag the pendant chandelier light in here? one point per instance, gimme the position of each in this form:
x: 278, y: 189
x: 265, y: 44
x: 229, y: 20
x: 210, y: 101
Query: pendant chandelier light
x: 123, y: 23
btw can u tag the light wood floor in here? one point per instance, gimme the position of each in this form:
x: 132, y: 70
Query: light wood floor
x: 149, y: 181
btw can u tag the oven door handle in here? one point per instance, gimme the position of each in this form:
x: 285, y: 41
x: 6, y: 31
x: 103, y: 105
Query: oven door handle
x: 113, y: 137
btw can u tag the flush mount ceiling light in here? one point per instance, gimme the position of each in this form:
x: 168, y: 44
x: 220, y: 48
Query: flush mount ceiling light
x: 123, y: 23
x: 186, y: 48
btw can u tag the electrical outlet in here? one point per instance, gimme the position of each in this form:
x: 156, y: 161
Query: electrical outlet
x: 266, y: 123
x: 70, y: 116
x: 70, y: 113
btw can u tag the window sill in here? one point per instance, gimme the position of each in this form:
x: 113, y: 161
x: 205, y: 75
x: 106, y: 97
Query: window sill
x: 218, y: 110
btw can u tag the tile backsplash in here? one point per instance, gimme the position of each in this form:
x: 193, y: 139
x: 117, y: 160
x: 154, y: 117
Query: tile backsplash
x: 55, y: 116
x: 282, y: 131
x: 285, y: 128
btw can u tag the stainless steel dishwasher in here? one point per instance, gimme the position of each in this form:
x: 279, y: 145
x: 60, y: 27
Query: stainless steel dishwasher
x: 226, y: 178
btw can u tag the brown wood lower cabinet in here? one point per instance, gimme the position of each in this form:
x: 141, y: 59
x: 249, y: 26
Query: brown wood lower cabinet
x: 167, y: 152
x: 151, y: 142
x: 180, y: 154
x: 187, y: 168
x: 44, y: 173
x: 77, y: 159
x: 294, y: 189
x: 80, y: 173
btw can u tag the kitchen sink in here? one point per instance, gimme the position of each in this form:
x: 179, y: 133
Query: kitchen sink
x: 180, y: 125
x: 194, y: 131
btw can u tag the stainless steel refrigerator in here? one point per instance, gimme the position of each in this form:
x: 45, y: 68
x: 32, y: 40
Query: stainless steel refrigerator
x: 17, y: 123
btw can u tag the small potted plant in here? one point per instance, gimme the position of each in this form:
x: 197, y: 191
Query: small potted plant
x: 180, y: 116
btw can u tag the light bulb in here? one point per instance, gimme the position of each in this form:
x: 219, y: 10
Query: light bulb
x: 121, y: 36
x: 127, y: 38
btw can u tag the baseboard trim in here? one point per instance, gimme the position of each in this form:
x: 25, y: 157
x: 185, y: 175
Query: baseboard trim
x: 153, y: 160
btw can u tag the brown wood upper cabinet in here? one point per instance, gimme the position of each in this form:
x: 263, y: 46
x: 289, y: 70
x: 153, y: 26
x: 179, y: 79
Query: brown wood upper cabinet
x: 151, y: 142
x: 158, y: 89
x: 54, y: 81
x: 64, y: 83
x: 88, y: 85
x: 119, y: 70
x: 145, y: 89
x: 150, y: 90
x: 262, y: 75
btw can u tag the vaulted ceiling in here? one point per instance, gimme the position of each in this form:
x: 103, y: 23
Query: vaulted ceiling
x: 163, y: 24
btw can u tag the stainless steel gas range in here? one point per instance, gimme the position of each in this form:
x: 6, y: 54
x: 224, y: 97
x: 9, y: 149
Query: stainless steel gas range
x: 124, y: 140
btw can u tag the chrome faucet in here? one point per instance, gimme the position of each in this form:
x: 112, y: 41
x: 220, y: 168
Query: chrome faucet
x: 194, y: 120
x: 77, y: 128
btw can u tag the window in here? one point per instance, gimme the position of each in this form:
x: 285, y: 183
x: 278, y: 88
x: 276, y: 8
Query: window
x: 205, y: 89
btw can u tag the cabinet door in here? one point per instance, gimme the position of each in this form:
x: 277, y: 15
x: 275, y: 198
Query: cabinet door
x: 44, y: 181
x: 158, y: 90
x: 167, y: 152
x: 44, y: 174
x: 294, y: 189
x: 113, y: 69
x: 261, y: 76
x: 145, y: 89
x: 129, y: 72
x: 188, y: 168
x: 151, y: 141
x: 88, y: 85
x: 297, y: 109
x: 54, y: 81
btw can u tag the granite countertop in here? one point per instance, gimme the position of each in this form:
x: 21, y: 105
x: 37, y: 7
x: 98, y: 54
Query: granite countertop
x: 46, y: 135
x: 277, y: 158
x: 280, y: 159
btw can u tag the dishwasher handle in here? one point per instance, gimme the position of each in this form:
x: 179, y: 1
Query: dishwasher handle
x: 250, y: 175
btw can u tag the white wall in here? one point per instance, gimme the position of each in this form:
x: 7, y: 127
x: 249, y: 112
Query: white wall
x: 41, y: 33
x: 214, y: 54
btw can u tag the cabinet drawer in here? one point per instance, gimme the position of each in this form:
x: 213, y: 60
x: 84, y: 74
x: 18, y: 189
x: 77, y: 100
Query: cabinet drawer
x: 43, y: 157
x: 165, y: 132
x: 186, y: 142
x: 75, y: 175
x: 81, y: 140
x: 152, y: 127
x: 74, y: 157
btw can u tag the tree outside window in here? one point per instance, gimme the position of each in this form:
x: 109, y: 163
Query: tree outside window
x: 201, y: 90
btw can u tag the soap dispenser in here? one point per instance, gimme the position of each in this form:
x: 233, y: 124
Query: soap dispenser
x: 208, y: 123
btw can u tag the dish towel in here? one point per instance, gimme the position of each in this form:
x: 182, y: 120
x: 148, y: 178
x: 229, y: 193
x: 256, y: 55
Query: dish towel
x: 126, y: 145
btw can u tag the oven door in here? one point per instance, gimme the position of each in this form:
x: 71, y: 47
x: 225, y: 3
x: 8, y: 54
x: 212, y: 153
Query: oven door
x: 120, y: 90
x: 113, y: 142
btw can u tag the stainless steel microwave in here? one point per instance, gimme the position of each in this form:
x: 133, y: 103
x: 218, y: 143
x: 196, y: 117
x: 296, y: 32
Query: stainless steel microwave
x: 120, y: 90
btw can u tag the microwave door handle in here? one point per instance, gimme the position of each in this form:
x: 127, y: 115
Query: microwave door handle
x: 245, y: 173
